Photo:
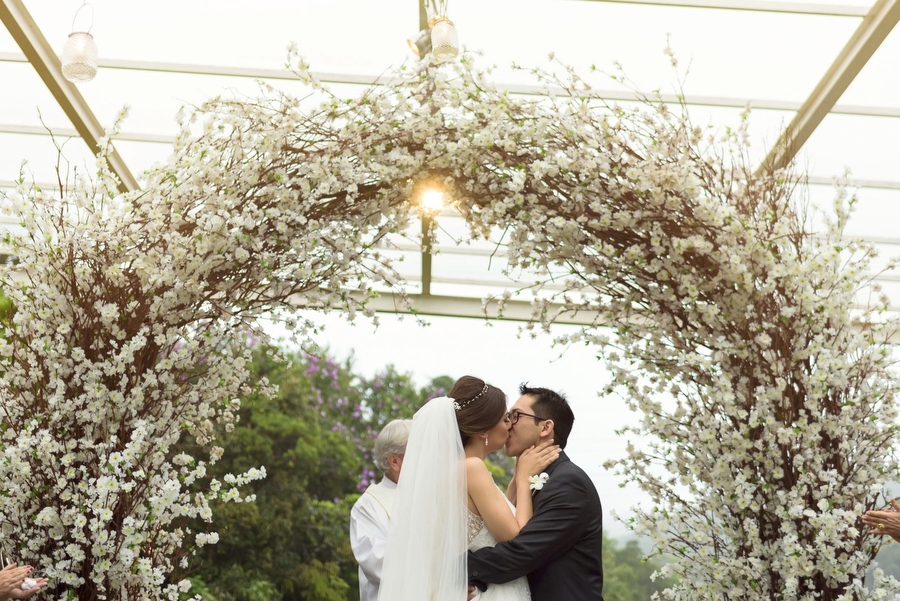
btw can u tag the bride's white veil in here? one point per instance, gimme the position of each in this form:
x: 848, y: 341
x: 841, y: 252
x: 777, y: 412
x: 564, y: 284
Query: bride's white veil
x: 425, y: 559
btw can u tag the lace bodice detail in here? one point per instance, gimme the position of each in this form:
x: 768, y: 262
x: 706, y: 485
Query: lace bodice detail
x: 478, y: 534
x: 478, y: 537
x: 476, y: 529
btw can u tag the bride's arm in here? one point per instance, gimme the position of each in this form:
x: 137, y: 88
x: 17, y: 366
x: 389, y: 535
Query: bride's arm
x: 531, y: 462
x: 489, y: 501
x: 491, y: 506
x: 511, y: 489
x: 547, y: 454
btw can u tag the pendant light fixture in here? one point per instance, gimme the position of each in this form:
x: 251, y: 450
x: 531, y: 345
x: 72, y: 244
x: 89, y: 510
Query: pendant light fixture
x: 444, y: 40
x: 441, y: 37
x: 79, y: 56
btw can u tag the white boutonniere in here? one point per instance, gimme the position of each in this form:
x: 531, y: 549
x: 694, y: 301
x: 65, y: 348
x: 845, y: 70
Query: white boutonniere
x: 537, y: 482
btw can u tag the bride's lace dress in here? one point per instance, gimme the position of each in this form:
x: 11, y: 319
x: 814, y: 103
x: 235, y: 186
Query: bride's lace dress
x: 479, y: 537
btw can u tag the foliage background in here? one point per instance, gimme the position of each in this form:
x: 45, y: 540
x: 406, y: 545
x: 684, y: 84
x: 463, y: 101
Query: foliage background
x: 315, y: 439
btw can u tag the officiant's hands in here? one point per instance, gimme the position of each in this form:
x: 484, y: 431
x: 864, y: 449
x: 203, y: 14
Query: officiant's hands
x: 535, y: 459
x: 884, y: 522
x: 16, y: 584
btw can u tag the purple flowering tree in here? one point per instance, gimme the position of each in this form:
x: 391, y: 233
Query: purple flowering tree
x: 315, y: 439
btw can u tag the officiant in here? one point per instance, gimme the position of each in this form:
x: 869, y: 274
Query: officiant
x: 371, y: 514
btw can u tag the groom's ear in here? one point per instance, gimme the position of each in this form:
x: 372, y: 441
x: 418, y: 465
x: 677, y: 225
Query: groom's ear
x: 547, y: 428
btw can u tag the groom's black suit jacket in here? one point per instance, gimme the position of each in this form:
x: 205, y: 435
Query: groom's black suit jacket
x: 560, y: 548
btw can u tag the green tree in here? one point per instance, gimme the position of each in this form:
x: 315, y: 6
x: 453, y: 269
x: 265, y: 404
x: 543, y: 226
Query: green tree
x: 315, y: 441
x: 626, y: 574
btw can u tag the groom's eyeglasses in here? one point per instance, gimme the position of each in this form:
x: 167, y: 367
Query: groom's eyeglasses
x: 515, y: 415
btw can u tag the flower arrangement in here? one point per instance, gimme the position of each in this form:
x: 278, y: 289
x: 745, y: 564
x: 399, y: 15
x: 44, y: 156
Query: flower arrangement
x: 130, y: 313
x: 725, y: 320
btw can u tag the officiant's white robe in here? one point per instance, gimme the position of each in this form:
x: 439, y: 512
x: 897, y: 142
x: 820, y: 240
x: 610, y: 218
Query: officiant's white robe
x: 369, y: 520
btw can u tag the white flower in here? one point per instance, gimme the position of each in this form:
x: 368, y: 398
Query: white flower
x: 538, y: 481
x: 726, y: 325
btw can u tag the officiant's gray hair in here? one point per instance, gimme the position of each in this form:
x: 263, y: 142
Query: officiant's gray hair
x: 391, y: 439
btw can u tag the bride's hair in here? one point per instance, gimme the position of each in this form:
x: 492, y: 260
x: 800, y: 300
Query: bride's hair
x: 481, y: 406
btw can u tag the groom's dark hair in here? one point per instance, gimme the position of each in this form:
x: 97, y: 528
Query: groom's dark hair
x: 551, y: 405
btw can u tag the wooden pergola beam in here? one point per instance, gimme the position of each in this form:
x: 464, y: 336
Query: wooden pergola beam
x: 40, y: 54
x: 870, y: 34
x: 766, y: 6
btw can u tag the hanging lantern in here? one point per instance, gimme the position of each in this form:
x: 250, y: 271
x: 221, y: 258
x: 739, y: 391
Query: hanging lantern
x: 79, y: 56
x: 444, y: 40
x: 79, y: 62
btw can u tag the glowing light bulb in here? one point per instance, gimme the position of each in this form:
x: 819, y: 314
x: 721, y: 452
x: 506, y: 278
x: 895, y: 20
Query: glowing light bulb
x: 433, y: 200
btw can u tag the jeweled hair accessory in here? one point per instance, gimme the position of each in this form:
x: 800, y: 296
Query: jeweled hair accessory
x: 463, y: 404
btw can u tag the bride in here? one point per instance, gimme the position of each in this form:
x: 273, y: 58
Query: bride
x: 447, y: 502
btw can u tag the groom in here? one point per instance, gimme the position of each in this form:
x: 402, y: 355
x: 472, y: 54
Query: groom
x: 560, y: 548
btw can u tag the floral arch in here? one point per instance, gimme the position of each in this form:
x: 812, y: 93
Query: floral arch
x: 768, y: 393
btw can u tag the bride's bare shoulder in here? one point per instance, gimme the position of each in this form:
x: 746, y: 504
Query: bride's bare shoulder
x: 474, y: 463
x: 476, y: 471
